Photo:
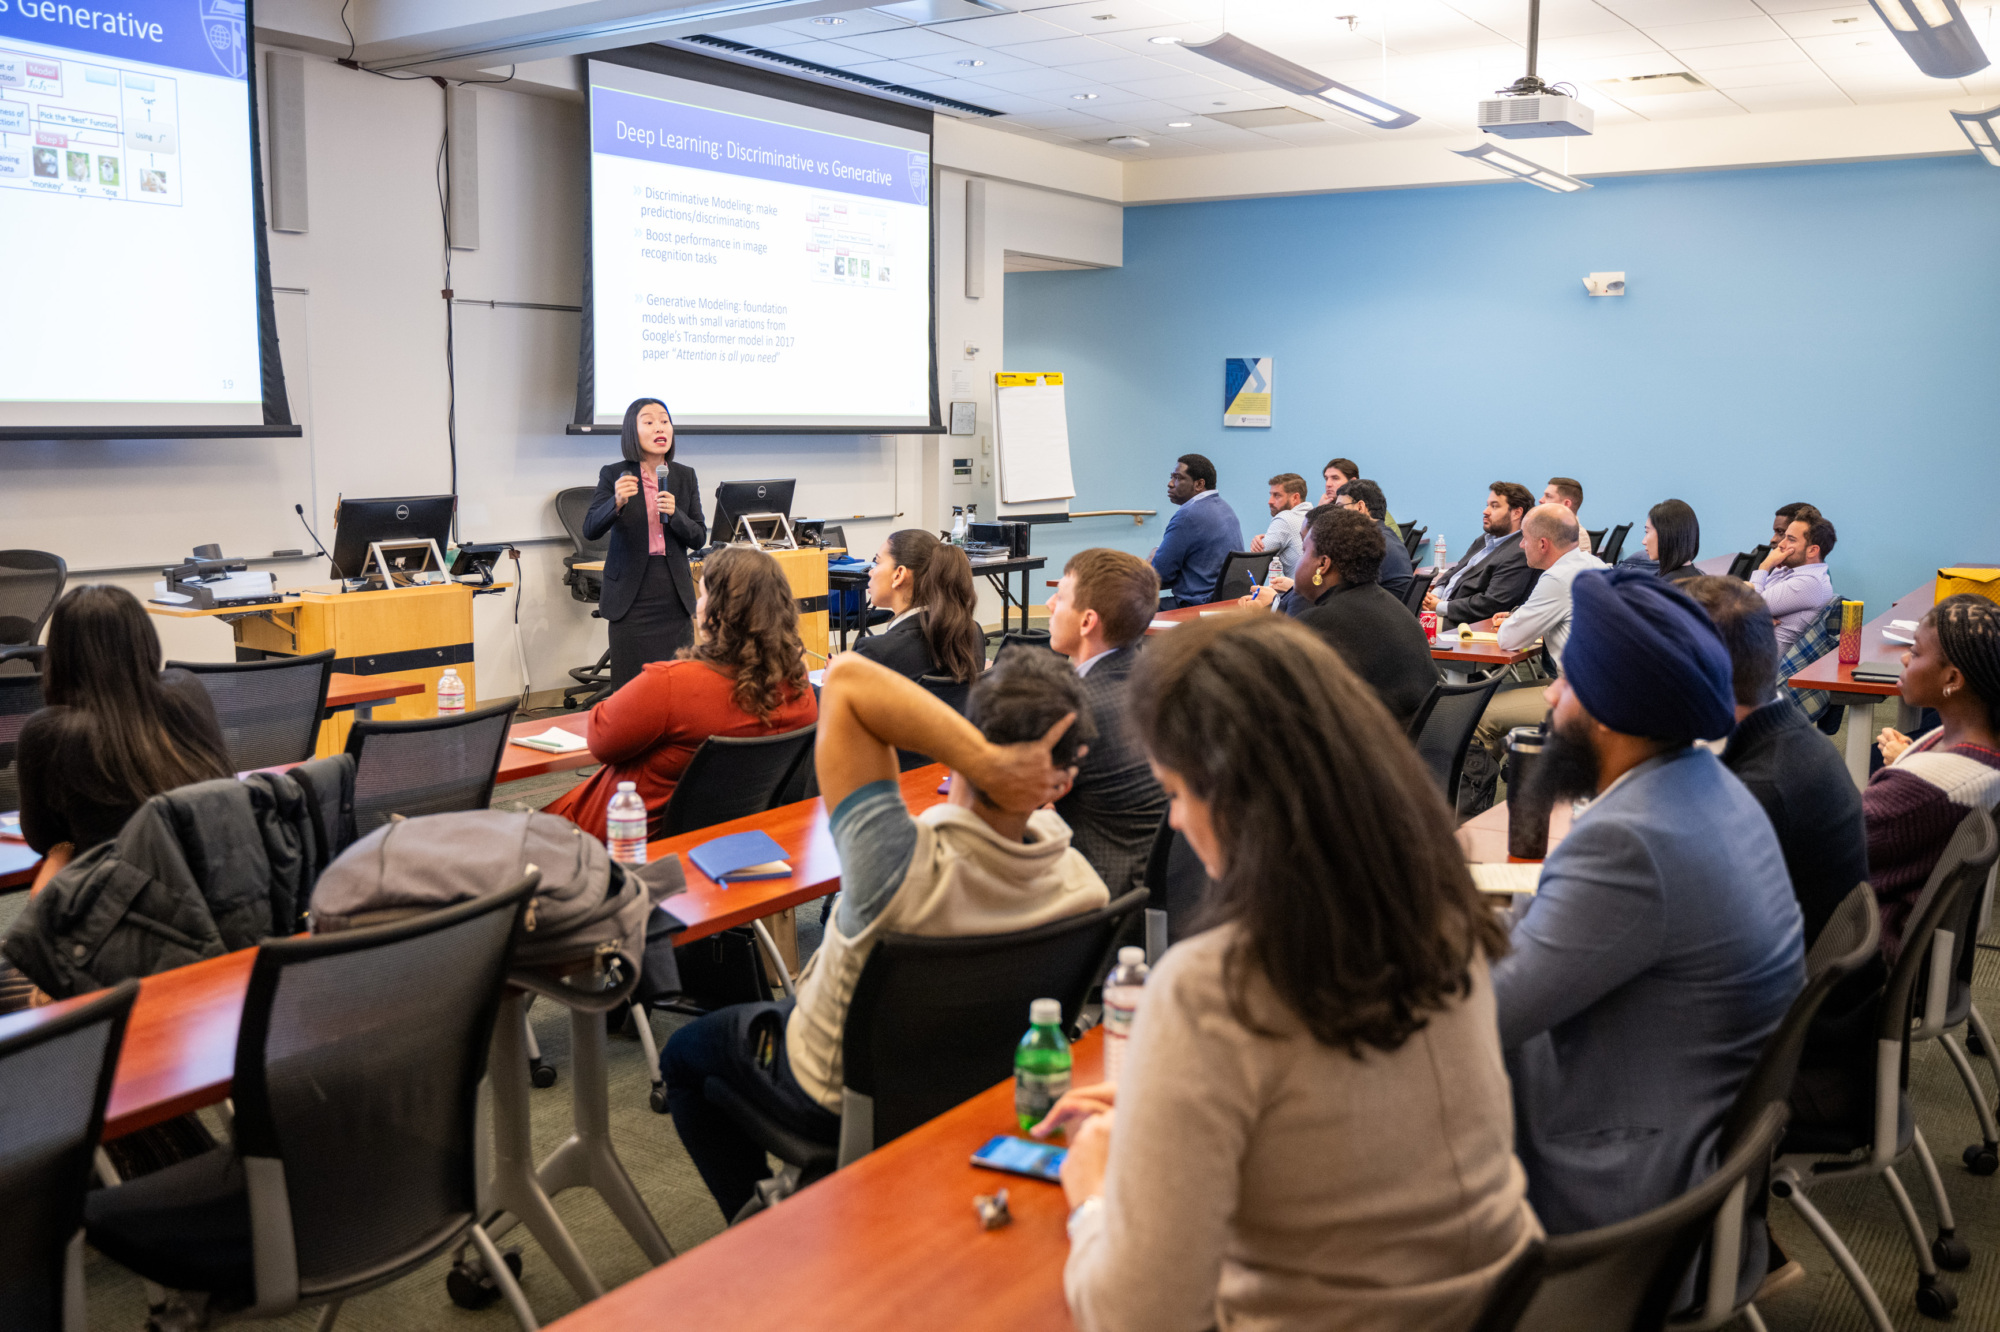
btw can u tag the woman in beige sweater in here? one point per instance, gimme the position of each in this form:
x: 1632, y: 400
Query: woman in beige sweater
x: 1313, y: 1129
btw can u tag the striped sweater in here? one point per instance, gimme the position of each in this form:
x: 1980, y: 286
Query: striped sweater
x: 1912, y: 807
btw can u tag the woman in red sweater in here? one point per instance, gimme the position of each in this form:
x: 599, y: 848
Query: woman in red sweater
x: 745, y: 675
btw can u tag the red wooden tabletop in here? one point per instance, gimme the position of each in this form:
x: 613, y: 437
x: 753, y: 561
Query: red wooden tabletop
x: 517, y: 761
x: 1828, y: 673
x: 344, y: 691
x: 891, y: 1241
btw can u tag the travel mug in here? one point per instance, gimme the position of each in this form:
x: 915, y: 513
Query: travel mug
x: 1527, y: 807
x: 1850, y: 632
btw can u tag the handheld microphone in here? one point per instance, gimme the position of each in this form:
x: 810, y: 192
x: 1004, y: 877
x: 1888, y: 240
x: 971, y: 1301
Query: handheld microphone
x: 300, y: 510
x: 660, y: 484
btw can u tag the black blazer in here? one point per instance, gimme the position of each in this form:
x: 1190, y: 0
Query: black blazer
x: 1501, y: 583
x: 902, y: 649
x: 1115, y: 807
x: 625, y: 560
x: 1376, y: 635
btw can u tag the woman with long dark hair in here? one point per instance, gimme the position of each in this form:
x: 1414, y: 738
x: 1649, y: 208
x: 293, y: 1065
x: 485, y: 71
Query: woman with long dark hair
x: 115, y: 731
x: 1673, y: 540
x: 648, y: 598
x: 745, y: 675
x: 928, y: 584
x: 1313, y: 1128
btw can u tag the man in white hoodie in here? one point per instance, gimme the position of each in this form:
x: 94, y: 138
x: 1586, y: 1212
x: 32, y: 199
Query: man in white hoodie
x: 990, y: 860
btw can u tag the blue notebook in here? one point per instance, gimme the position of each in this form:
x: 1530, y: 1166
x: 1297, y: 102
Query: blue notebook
x: 741, y: 856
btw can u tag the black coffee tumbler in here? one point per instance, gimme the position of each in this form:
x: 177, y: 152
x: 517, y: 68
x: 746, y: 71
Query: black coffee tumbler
x: 1527, y: 804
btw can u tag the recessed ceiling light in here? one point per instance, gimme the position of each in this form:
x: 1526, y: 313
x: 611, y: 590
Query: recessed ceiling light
x: 1083, y: 97
x: 974, y: 63
x: 1102, y: 18
x: 831, y: 20
x: 1164, y: 41
x: 1847, y: 20
x: 1180, y: 124
x: 1218, y: 104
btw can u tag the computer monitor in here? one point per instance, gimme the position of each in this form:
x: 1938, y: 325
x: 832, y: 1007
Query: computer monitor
x: 733, y: 499
x: 360, y: 523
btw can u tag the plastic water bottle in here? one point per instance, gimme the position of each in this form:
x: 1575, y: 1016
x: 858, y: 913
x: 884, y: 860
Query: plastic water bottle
x: 625, y: 826
x: 451, y: 694
x: 957, y: 526
x: 1041, y: 1064
x: 1437, y: 555
x: 1123, y: 989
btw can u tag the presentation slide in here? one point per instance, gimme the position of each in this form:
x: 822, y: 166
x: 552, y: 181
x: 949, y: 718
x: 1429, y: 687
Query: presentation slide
x: 756, y: 262
x: 125, y: 200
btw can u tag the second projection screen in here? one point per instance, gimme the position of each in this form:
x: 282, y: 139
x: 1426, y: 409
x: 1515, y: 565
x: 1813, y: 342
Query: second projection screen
x: 756, y: 262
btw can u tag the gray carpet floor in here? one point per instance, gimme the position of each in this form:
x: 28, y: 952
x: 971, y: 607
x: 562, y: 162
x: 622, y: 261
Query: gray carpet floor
x: 1861, y: 1211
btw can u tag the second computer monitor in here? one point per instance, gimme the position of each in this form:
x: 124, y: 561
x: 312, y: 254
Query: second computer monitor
x: 733, y: 499
x: 360, y: 523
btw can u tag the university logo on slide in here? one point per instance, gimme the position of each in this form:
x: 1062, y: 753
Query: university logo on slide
x: 920, y: 177
x: 222, y: 24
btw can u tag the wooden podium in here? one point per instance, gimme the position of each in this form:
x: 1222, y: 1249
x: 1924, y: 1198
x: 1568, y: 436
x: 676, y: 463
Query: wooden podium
x: 805, y: 570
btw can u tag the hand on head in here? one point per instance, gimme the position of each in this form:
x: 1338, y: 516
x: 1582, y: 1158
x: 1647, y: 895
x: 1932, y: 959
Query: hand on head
x: 1023, y: 776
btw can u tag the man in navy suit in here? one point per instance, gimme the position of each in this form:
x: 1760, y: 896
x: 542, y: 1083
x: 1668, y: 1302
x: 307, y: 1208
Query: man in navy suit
x: 1199, y: 536
x: 1663, y: 944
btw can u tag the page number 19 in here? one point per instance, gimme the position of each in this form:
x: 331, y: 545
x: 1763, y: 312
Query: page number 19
x: 229, y: 383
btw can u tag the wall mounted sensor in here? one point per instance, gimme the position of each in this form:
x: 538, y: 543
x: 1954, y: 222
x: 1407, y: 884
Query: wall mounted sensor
x: 1605, y: 284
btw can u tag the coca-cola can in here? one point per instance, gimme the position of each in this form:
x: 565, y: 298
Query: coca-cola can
x: 1429, y: 620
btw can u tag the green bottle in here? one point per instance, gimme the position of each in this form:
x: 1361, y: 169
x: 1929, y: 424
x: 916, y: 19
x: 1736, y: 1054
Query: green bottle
x: 1041, y: 1064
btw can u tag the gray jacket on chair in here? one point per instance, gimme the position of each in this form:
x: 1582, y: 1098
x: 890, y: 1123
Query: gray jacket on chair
x: 197, y: 872
x: 1660, y: 950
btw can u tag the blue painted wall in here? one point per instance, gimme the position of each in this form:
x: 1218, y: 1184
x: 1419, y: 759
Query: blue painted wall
x: 1825, y: 333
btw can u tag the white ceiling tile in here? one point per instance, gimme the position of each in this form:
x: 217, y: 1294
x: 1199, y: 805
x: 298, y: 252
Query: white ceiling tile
x: 1176, y: 87
x: 1324, y: 132
x: 902, y: 44
x: 766, y: 36
x: 1560, y: 18
x: 1790, y: 97
x: 1596, y: 46
x: 1884, y: 94
x: 1685, y: 106
x: 1749, y: 53
x: 1000, y: 30
x: 837, y: 54
x: 1718, y: 32
x: 1776, y: 7
x: 1763, y: 76
x: 851, y: 23
x: 896, y: 71
x: 952, y: 63
x: 1877, y: 44
x: 1126, y: 69
x: 1651, y: 13
x: 1065, y: 50
x: 1041, y: 82
x: 1847, y: 21
x: 1069, y: 122
x: 1088, y: 17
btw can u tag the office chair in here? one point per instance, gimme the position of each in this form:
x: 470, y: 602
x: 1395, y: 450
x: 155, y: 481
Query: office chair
x: 1413, y: 539
x: 20, y: 699
x: 1885, y: 1130
x: 1443, y: 727
x: 1176, y: 882
x: 1596, y: 535
x: 1614, y: 545
x: 593, y: 683
x: 1238, y: 568
x: 270, y: 710
x: 933, y: 1022
x: 954, y: 693
x: 1944, y: 1005
x: 430, y: 765
x: 55, y: 1079
x: 31, y: 582
x: 849, y: 602
x: 1746, y: 562
x: 1420, y: 586
x: 356, y: 1091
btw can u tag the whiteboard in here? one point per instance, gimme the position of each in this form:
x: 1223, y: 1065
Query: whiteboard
x: 1032, y: 420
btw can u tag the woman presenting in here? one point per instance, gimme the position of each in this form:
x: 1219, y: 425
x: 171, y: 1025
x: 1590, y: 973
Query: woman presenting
x: 648, y: 596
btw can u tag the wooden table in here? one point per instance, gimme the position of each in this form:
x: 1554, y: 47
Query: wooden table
x: 1862, y: 695
x: 517, y: 761
x: 17, y: 865
x: 360, y: 693
x: 890, y: 1241
x: 180, y: 1046
x: 1483, y: 837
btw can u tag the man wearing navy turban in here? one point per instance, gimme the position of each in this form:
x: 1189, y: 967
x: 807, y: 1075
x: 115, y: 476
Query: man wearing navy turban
x: 1663, y: 943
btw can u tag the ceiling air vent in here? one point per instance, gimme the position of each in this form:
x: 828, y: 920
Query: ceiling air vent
x: 1652, y: 85
x: 1264, y: 116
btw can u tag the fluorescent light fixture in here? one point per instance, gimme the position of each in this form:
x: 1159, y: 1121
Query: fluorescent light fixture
x: 1258, y: 63
x: 1180, y: 124
x: 1983, y: 128
x: 1935, y: 35
x: 1164, y: 41
x: 1520, y: 168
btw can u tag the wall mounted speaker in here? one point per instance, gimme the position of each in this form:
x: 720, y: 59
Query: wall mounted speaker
x: 285, y: 130
x: 462, y: 167
x: 975, y: 239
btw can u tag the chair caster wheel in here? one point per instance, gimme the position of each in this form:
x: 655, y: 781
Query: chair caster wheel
x: 1981, y: 1159
x: 1973, y: 1045
x: 541, y: 1074
x: 469, y: 1285
x: 657, y: 1098
x: 1936, y: 1300
x: 1951, y: 1253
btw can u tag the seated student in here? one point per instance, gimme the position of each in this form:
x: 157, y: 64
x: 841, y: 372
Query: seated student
x: 1312, y: 1129
x: 1662, y: 945
x: 1397, y: 569
x: 1568, y: 492
x: 1339, y: 599
x: 1927, y: 786
x: 1673, y: 539
x: 1493, y: 575
x: 1337, y: 473
x: 1549, y: 541
x: 928, y: 584
x: 1793, y: 578
x: 990, y: 860
x: 1288, y: 505
x: 745, y: 675
x: 1795, y: 772
x: 1199, y: 536
x: 1097, y: 618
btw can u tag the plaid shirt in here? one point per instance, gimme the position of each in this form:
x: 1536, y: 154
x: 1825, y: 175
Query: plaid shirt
x: 1814, y: 641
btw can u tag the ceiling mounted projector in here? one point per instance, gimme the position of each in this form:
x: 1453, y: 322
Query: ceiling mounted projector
x: 1541, y: 116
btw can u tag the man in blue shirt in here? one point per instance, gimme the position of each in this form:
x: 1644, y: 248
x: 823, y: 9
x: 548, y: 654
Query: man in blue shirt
x: 1199, y: 536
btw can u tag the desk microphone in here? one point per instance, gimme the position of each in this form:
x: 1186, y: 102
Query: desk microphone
x: 300, y: 510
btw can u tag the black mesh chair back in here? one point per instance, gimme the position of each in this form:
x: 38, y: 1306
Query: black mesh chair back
x: 56, y: 1068
x: 31, y: 582
x: 1238, y: 567
x: 1614, y: 545
x: 571, y: 507
x: 1420, y: 585
x: 1176, y: 882
x: 833, y: 534
x: 1413, y: 538
x: 270, y: 710
x: 357, y: 1070
x: 1625, y: 1277
x: 1442, y: 729
x: 433, y: 765
x: 731, y: 777
x: 953, y: 694
x: 934, y: 1021
x: 20, y: 699
x: 1596, y: 535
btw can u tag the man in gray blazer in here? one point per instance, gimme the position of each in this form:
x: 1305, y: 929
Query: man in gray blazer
x: 1663, y: 944
x: 1097, y: 618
